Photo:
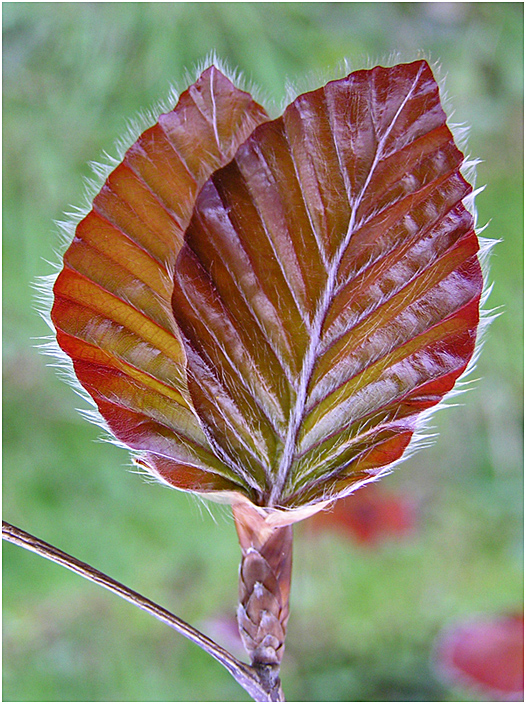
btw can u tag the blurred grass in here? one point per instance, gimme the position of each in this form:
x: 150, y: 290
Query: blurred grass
x: 362, y: 622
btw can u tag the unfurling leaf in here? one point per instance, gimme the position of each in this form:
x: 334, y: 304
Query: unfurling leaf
x: 328, y: 289
x: 268, y: 307
x: 112, y: 310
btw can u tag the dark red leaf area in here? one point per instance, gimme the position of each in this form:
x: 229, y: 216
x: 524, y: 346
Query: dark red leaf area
x: 112, y: 309
x: 355, y: 465
x: 328, y: 288
x: 187, y: 477
x: 162, y: 431
x: 369, y: 517
x: 487, y: 654
x: 152, y: 430
x: 150, y: 195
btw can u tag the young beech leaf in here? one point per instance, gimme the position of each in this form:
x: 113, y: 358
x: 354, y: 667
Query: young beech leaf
x: 328, y: 289
x: 326, y: 294
x: 112, y: 310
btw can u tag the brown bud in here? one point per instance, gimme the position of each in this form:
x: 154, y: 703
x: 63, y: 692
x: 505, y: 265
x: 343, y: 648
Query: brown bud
x: 264, y: 585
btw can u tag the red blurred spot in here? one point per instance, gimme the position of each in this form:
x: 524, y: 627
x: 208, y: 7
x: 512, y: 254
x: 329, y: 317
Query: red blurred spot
x: 487, y: 654
x: 369, y: 516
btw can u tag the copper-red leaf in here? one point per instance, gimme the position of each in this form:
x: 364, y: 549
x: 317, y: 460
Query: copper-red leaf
x: 328, y: 289
x: 112, y: 310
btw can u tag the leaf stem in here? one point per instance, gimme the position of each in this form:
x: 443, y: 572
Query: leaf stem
x: 244, y: 674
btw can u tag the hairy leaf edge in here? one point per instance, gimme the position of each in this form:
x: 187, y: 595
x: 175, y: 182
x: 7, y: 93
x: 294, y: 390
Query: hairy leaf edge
x: 423, y: 435
x: 65, y: 232
x: 65, y: 229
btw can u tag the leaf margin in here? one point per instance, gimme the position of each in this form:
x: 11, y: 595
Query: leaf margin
x: 416, y: 436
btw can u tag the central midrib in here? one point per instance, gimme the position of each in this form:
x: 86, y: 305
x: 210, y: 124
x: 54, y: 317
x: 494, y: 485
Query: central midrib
x: 311, y: 355
x: 309, y: 362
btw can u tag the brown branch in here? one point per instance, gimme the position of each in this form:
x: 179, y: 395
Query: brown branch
x: 241, y: 672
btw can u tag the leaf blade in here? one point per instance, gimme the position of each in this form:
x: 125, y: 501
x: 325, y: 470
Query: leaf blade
x: 112, y: 311
x: 316, y: 200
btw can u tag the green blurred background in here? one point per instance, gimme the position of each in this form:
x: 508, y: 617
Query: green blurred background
x: 363, y: 620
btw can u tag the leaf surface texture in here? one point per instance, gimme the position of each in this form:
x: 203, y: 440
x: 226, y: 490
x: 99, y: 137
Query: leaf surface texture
x: 112, y: 310
x: 328, y: 289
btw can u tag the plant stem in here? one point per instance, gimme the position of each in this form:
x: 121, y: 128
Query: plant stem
x: 244, y: 674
